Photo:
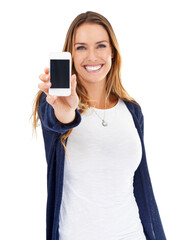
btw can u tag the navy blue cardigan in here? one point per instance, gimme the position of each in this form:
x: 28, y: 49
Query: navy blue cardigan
x: 52, y: 130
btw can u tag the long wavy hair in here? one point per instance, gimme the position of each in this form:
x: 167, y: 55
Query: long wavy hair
x: 113, y: 80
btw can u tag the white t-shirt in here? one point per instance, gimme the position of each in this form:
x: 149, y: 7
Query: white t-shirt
x: 98, y: 201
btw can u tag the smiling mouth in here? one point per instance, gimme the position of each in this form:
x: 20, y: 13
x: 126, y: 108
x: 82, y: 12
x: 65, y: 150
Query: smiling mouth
x: 93, y: 68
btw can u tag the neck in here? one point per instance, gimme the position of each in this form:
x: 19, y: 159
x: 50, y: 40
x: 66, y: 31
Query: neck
x: 98, y: 98
x: 97, y: 94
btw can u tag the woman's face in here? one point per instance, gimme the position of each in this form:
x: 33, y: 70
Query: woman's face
x: 92, y: 53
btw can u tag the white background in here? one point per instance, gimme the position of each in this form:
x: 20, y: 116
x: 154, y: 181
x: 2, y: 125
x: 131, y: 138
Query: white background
x: 150, y: 37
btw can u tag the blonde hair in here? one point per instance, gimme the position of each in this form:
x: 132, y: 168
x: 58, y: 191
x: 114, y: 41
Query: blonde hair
x: 113, y: 81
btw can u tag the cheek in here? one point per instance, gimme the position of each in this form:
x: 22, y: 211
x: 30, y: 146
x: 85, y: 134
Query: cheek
x: 75, y: 60
x: 107, y: 56
x: 108, y: 59
x: 78, y: 59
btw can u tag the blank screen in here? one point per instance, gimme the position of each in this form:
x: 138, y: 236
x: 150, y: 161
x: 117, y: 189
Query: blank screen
x: 59, y: 71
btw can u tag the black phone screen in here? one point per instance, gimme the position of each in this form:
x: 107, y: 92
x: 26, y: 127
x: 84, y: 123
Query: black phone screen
x: 59, y: 73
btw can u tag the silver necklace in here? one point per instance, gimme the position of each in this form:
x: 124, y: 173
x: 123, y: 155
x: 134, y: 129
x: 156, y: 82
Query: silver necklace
x: 104, y: 123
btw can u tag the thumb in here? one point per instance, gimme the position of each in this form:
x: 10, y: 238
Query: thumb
x: 73, y: 85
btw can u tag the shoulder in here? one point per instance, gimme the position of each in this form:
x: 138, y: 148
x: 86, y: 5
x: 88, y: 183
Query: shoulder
x: 134, y: 107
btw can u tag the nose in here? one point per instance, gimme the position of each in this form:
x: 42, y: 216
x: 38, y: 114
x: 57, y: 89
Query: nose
x: 92, y: 55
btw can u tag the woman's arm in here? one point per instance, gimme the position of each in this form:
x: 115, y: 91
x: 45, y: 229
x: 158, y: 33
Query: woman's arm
x: 49, y: 120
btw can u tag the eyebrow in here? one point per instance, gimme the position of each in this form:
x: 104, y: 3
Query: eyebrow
x: 86, y: 44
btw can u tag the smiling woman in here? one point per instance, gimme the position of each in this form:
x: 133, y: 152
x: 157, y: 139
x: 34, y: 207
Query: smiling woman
x: 92, y: 56
x: 102, y: 189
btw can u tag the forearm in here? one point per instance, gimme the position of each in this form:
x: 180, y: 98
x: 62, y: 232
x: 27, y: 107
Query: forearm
x: 65, y: 118
x: 51, y: 122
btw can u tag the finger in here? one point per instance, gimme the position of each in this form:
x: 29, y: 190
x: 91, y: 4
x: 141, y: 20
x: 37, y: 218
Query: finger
x: 44, y: 77
x: 46, y: 70
x: 44, y: 87
x: 51, y: 99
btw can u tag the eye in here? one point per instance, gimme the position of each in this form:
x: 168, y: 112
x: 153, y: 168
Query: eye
x: 101, y: 46
x: 80, y: 48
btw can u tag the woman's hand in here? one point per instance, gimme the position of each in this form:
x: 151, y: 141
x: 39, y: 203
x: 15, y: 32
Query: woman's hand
x: 64, y: 107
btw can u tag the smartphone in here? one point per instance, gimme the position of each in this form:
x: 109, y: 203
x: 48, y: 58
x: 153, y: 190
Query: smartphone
x: 60, y: 73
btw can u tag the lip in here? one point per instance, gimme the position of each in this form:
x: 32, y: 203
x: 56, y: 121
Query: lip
x: 95, y: 65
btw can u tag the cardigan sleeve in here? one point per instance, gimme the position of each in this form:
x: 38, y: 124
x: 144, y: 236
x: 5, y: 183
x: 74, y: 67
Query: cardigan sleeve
x: 49, y: 121
x: 144, y: 194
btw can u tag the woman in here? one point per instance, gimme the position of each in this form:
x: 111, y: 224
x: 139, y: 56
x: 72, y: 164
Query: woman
x: 101, y: 188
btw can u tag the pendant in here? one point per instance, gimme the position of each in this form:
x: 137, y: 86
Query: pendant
x: 104, y: 123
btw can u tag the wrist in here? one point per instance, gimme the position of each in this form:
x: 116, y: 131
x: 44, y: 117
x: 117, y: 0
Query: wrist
x: 66, y: 118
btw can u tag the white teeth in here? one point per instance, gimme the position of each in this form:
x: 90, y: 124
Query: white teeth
x: 92, y: 68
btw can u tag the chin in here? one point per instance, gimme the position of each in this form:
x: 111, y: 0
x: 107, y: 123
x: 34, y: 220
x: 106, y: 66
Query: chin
x: 94, y: 79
